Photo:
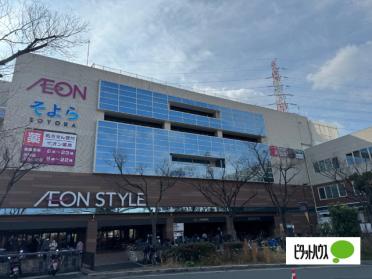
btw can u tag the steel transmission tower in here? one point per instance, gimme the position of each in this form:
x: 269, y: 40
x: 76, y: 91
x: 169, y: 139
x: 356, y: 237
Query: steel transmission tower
x: 281, y: 103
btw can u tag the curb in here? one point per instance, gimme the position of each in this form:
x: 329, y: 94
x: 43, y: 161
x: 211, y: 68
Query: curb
x: 181, y: 269
x: 58, y: 275
x: 91, y: 273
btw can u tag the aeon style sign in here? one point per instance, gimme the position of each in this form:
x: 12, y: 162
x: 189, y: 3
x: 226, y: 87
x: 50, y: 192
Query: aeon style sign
x: 88, y: 199
x: 60, y: 88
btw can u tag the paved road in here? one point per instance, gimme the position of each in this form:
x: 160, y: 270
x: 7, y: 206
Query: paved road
x: 338, y: 272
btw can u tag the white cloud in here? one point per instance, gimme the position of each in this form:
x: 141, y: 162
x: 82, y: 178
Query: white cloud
x: 244, y: 95
x: 349, y: 67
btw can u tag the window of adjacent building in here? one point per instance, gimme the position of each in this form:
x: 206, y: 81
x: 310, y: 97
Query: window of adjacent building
x: 322, y: 166
x: 357, y: 157
x: 364, y: 154
x: 332, y: 191
x: 355, y: 190
x: 335, y: 163
x: 316, y: 167
x: 349, y: 159
x: 326, y: 165
x: 322, y: 193
x: 342, y: 190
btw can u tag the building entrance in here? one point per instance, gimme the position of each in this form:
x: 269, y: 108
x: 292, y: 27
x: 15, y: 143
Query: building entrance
x: 32, y: 240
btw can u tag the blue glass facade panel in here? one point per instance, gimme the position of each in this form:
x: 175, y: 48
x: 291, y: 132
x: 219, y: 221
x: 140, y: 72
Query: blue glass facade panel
x: 126, y: 99
x: 146, y: 149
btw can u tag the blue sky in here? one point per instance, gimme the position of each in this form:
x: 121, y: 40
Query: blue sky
x: 226, y: 47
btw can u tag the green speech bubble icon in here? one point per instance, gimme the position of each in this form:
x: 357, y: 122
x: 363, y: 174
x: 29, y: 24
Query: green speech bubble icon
x: 342, y: 249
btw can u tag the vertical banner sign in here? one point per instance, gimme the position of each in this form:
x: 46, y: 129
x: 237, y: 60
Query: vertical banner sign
x: 49, y: 148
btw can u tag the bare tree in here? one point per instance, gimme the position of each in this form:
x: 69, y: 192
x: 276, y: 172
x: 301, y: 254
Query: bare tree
x: 281, y: 192
x: 12, y: 167
x: 222, y: 187
x: 27, y: 27
x: 153, y: 194
x: 356, y: 179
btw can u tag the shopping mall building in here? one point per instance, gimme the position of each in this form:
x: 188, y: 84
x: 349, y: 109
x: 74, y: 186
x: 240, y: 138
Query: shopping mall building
x: 75, y: 119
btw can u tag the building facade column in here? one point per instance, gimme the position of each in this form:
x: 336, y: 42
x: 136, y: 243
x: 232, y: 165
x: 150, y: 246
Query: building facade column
x: 168, y: 233
x: 90, y: 243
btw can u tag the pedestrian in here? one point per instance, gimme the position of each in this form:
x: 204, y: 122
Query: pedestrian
x: 45, y: 245
x: 80, y: 246
x: 205, y: 236
x: 53, y: 245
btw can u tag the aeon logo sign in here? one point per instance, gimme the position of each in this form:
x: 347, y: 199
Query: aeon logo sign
x: 61, y: 88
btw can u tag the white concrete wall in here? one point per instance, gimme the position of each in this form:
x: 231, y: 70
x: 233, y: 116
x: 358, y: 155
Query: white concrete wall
x: 336, y: 148
x: 283, y: 129
x: 323, y: 132
x: 4, y: 92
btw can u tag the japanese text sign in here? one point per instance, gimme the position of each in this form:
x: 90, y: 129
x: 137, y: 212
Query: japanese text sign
x: 322, y: 250
x: 49, y: 148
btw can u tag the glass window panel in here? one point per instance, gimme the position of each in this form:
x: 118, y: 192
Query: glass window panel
x: 328, y: 164
x: 364, y: 154
x: 108, y: 101
x: 160, y: 109
x: 342, y: 190
x: 126, y: 99
x: 316, y: 167
x: 335, y: 163
x: 350, y: 159
x: 144, y: 103
x: 328, y: 192
x: 127, y: 88
x: 109, y: 95
x: 108, y: 107
x: 106, y: 142
x: 322, y: 166
x: 334, y: 190
x: 357, y: 157
x: 109, y: 84
x: 128, y: 110
x: 109, y: 89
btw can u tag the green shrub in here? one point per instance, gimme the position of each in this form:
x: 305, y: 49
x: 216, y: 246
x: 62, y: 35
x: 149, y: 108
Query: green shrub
x: 344, y: 221
x: 189, y: 264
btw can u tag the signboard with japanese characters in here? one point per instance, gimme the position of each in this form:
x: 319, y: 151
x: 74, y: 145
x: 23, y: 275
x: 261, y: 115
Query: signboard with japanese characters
x: 283, y: 152
x: 49, y: 148
x: 57, y: 115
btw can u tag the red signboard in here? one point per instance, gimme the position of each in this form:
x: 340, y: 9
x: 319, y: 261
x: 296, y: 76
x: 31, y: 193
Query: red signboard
x: 49, y: 148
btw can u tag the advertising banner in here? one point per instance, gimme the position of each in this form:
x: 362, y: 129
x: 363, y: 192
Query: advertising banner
x: 49, y: 148
x: 322, y: 250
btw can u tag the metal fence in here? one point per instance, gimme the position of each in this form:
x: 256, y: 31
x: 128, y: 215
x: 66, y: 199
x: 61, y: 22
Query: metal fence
x: 39, y: 263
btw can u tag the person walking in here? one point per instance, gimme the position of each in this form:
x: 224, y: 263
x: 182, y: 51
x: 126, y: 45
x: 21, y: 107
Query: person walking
x: 53, y: 245
x: 80, y: 246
